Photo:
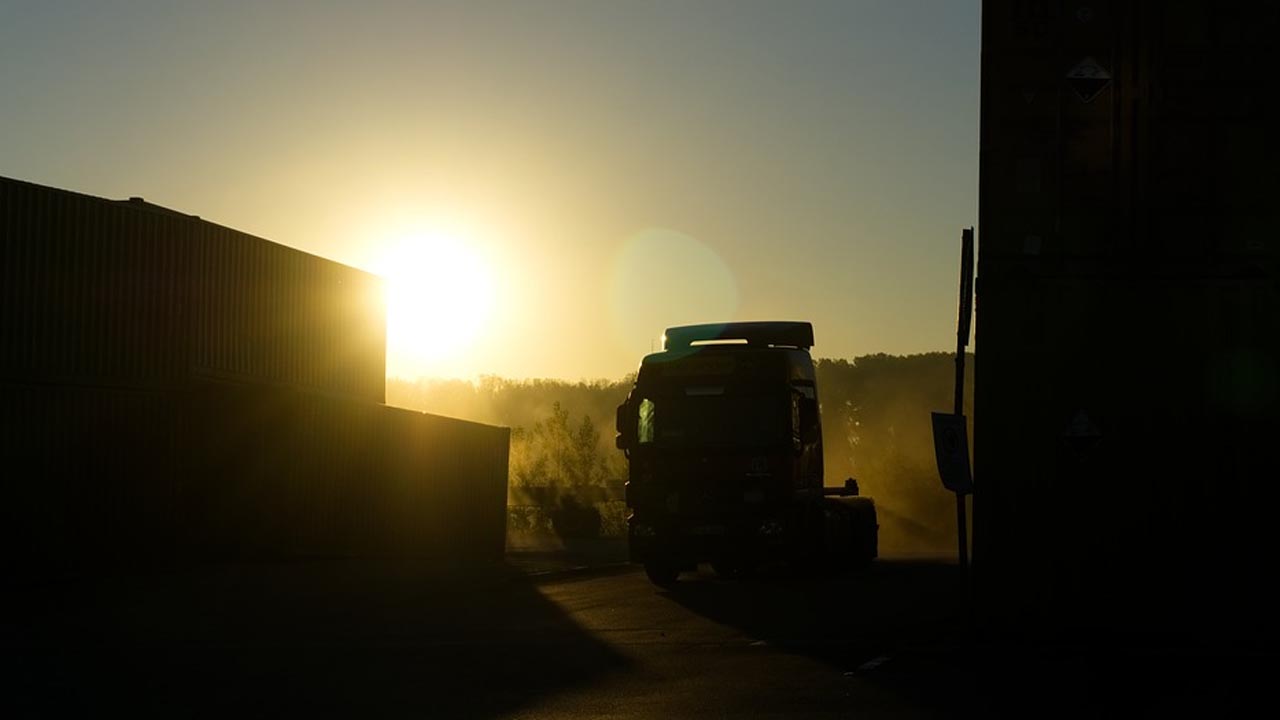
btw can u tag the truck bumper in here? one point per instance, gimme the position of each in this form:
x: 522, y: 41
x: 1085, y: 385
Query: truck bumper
x: 686, y: 544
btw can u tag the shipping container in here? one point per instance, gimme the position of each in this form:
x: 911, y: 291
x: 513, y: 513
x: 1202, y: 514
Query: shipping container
x: 128, y: 294
x: 1127, y: 379
x: 99, y: 475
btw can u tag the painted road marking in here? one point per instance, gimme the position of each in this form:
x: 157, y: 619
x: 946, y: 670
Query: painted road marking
x: 873, y: 663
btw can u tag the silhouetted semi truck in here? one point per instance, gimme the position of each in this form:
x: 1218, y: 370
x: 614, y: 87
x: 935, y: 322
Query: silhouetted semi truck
x: 724, y: 439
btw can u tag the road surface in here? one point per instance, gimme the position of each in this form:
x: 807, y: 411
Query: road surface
x: 323, y: 640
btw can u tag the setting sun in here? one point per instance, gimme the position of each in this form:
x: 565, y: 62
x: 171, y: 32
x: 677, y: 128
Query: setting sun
x: 439, y: 293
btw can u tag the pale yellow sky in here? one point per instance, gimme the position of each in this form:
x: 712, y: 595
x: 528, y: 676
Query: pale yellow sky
x: 612, y: 168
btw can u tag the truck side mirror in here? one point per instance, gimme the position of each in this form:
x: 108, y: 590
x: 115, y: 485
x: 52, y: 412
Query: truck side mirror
x: 626, y: 426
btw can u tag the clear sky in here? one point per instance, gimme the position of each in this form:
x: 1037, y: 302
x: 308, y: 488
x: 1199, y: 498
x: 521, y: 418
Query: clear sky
x: 548, y: 184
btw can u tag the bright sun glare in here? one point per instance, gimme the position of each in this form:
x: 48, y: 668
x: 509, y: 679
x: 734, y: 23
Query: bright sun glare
x: 439, y: 292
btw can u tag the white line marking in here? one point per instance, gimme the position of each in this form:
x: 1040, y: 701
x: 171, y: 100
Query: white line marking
x: 873, y: 663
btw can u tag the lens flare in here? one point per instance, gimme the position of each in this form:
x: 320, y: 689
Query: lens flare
x: 661, y: 278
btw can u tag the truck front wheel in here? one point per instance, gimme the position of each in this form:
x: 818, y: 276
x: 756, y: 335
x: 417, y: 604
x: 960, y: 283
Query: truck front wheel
x: 662, y: 574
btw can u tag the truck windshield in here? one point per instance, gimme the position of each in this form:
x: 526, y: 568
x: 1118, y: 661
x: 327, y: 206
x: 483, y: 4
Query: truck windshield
x: 716, y: 420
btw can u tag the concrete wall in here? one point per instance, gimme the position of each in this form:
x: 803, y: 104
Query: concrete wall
x: 109, y: 475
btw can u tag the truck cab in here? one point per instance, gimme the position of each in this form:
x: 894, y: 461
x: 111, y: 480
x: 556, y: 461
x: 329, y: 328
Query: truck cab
x: 724, y: 442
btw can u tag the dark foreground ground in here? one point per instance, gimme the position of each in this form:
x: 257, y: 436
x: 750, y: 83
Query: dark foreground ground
x: 351, y: 639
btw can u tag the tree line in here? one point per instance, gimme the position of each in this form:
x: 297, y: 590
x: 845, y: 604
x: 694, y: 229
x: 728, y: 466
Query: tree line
x: 875, y: 418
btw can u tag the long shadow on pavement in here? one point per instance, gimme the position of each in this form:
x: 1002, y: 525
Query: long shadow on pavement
x: 838, y: 619
x: 900, y: 627
x: 897, y: 612
x: 292, y: 639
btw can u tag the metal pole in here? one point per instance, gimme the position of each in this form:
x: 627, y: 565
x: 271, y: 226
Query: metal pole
x: 962, y: 341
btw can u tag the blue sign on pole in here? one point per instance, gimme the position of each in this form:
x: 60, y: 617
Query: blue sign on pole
x: 951, y: 446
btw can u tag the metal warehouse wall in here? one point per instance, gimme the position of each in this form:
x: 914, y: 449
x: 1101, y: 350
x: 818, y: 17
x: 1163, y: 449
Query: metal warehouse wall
x: 1127, y: 320
x: 170, y: 388
x: 108, y: 475
x: 101, y: 292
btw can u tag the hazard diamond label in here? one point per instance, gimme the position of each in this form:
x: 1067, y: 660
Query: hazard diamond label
x: 1088, y: 78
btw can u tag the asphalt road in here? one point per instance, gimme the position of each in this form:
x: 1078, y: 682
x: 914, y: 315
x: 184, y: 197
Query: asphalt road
x: 351, y: 640
x: 777, y: 646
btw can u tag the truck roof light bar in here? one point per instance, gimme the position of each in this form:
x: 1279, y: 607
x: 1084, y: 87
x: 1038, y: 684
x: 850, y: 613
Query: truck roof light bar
x: 775, y: 333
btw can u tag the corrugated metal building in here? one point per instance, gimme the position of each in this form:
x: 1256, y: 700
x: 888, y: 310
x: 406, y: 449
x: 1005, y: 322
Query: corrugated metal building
x: 128, y: 294
x: 1127, y: 315
x: 172, y: 388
